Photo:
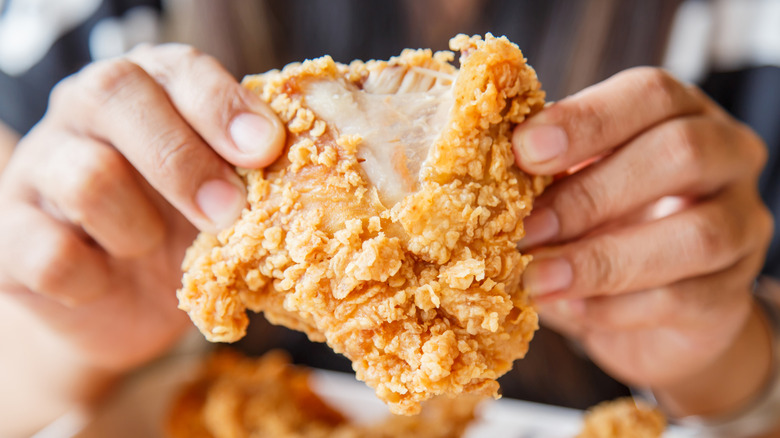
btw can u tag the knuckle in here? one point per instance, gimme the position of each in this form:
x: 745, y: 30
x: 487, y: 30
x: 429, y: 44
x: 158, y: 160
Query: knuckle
x: 753, y: 146
x: 146, y: 49
x: 164, y: 62
x: 181, y: 50
x: 715, y: 236
x: 218, y: 90
x: 222, y: 96
x: 95, y: 181
x: 582, y: 199
x: 658, y: 88
x: 601, y: 122
x: 56, y: 267
x: 655, y: 82
x: 174, y: 151
x: 142, y: 50
x: 104, y: 80
x: 176, y: 57
x: 683, y: 150
x: 600, y: 267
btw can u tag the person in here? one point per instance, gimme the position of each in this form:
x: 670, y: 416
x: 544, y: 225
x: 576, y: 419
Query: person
x: 647, y: 256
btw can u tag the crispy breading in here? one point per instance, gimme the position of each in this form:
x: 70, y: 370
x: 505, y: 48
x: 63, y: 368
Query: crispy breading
x: 239, y: 397
x: 623, y: 418
x: 389, y: 228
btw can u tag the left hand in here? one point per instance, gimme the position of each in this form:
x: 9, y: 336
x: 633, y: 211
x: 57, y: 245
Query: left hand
x: 653, y: 296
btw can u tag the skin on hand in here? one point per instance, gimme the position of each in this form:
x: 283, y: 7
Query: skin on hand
x: 647, y: 253
x: 100, y: 198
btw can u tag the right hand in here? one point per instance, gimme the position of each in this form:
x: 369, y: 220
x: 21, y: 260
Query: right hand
x: 100, y: 198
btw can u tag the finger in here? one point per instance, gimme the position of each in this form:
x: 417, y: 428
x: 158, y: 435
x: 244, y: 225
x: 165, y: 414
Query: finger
x: 695, y: 302
x: 119, y: 103
x: 600, y: 118
x: 94, y: 187
x: 696, y: 318
x: 696, y: 314
x: 233, y: 120
x: 48, y: 258
x: 689, y: 157
x: 707, y: 237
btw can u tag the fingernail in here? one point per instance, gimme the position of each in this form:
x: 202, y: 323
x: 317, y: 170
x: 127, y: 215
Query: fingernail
x: 251, y: 133
x: 541, y: 143
x: 544, y: 276
x: 542, y: 225
x: 221, y: 202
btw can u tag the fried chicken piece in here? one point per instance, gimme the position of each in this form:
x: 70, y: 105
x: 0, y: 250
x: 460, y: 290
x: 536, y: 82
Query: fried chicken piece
x: 235, y: 394
x: 389, y: 228
x: 238, y: 397
x: 623, y: 418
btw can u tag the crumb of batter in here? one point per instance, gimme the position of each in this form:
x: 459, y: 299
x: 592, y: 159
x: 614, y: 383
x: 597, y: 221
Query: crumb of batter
x: 623, y: 418
x: 239, y: 397
x: 389, y: 227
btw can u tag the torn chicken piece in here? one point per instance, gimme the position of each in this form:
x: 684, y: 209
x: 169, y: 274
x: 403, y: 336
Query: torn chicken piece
x: 623, y: 418
x: 389, y: 228
x: 239, y: 397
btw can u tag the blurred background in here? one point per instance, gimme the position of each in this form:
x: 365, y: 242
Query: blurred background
x: 730, y: 47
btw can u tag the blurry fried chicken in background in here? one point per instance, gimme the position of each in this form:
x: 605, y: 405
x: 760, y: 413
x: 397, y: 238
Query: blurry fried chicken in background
x: 238, y: 397
x: 389, y: 229
x: 623, y: 418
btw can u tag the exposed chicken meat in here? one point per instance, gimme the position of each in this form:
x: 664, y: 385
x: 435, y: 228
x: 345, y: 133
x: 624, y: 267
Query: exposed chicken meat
x: 399, y: 113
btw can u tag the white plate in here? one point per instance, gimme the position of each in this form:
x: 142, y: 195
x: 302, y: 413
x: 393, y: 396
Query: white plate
x: 504, y: 418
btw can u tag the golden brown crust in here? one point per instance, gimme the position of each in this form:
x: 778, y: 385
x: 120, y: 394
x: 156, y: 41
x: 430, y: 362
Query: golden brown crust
x: 623, y: 418
x: 420, y: 290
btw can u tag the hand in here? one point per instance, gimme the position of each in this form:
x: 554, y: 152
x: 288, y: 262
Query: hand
x: 647, y: 252
x: 100, y: 198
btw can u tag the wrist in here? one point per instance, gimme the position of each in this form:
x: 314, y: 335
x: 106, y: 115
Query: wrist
x: 738, y: 395
x: 728, y: 383
x: 44, y: 378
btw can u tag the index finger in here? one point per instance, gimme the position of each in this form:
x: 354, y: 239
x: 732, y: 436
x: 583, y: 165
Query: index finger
x: 600, y: 118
